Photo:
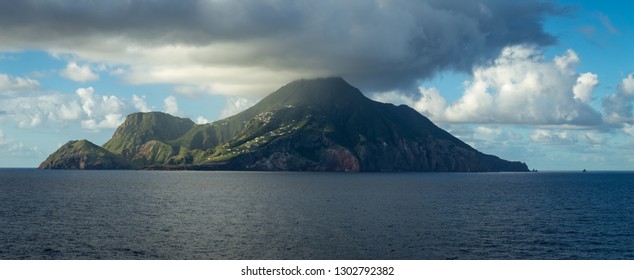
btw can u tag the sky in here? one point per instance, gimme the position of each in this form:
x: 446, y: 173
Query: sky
x: 549, y: 83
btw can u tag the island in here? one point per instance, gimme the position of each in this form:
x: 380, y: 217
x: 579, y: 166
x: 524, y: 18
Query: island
x: 322, y: 124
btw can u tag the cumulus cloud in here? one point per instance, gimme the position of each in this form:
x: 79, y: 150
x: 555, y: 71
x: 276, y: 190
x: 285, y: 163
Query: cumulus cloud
x: 584, y: 88
x: 202, y: 120
x: 91, y: 110
x: 430, y: 102
x: 17, y: 83
x: 78, y: 73
x: 110, y: 120
x: 627, y: 85
x: 87, y: 100
x: 29, y: 111
x: 250, y: 47
x: 171, y: 105
x: 102, y: 111
x: 140, y: 103
x: 236, y: 105
x: 519, y: 87
x: 618, y: 106
x: 70, y: 111
x: 522, y: 87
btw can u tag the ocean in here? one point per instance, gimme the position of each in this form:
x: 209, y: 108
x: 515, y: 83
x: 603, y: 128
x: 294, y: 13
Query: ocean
x: 64, y: 214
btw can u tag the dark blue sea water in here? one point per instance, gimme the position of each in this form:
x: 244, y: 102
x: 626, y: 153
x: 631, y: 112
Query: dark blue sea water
x: 251, y: 215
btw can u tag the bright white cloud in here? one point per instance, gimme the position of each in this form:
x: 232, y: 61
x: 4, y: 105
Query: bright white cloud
x: 522, y: 87
x: 394, y: 97
x: 71, y: 111
x: 93, y: 111
x: 29, y: 111
x: 26, y: 111
x: 87, y: 100
x: 202, y: 120
x: 236, y: 105
x: 565, y: 63
x: 430, y: 102
x: 627, y: 85
x: 475, y: 105
x: 111, y: 120
x: 171, y: 105
x: 140, y: 103
x: 584, y: 88
x: 78, y: 73
x: 102, y: 111
x: 519, y: 87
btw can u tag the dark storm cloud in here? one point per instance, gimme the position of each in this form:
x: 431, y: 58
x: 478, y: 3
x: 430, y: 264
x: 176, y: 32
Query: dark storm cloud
x: 147, y: 22
x: 378, y: 45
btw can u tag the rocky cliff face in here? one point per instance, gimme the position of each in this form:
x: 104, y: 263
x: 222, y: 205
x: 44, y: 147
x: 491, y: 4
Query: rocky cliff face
x: 314, y: 125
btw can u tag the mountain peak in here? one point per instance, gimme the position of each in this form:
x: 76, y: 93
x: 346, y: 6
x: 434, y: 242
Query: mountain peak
x: 332, y: 81
x: 315, y: 92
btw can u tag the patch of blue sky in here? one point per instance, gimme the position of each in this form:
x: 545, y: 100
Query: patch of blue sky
x: 29, y: 63
x: 601, y: 34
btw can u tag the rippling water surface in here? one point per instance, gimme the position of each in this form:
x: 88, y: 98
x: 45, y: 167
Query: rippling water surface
x: 251, y: 215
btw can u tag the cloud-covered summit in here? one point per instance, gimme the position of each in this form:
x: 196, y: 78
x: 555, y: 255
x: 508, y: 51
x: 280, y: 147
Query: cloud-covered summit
x: 249, y: 47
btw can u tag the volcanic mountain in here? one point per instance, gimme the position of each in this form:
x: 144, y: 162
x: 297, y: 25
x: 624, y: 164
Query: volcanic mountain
x: 307, y: 125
